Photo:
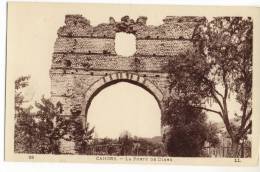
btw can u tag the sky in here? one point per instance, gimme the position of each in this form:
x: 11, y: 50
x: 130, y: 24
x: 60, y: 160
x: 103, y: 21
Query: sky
x: 32, y: 32
x: 134, y: 110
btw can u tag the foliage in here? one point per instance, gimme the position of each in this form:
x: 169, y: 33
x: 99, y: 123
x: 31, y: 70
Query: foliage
x: 127, y: 146
x: 138, y: 146
x: 25, y: 124
x: 79, y: 134
x: 212, y: 135
x: 143, y: 147
x: 20, y: 83
x: 219, y: 70
x: 188, y: 131
x: 42, y: 131
x: 126, y: 142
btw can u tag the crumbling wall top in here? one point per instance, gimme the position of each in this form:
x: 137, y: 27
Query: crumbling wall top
x: 182, y: 19
x: 173, y: 27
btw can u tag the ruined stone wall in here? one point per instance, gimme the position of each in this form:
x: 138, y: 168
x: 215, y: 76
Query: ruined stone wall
x: 85, y: 55
x: 85, y: 59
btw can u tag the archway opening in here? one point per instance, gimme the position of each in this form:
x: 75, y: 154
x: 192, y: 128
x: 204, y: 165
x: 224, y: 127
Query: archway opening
x: 125, y: 107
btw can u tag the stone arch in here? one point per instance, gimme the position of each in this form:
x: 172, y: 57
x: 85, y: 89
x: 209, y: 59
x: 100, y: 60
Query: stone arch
x: 81, y: 50
x: 114, y: 78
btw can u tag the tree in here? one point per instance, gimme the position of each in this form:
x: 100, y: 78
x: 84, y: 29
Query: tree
x: 126, y: 141
x: 188, y: 131
x: 20, y: 83
x: 78, y: 133
x: 53, y: 127
x: 24, y: 123
x: 42, y: 131
x: 220, y: 70
x: 212, y: 134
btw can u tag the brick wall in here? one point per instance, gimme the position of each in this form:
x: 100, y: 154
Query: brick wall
x: 84, y: 57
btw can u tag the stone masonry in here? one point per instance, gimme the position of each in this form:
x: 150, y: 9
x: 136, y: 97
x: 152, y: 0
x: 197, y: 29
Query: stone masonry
x: 84, y: 59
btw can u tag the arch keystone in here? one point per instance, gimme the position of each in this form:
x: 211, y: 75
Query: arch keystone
x: 124, y: 75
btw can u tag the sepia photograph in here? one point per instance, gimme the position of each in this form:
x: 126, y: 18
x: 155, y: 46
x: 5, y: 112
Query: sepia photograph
x: 124, y: 84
